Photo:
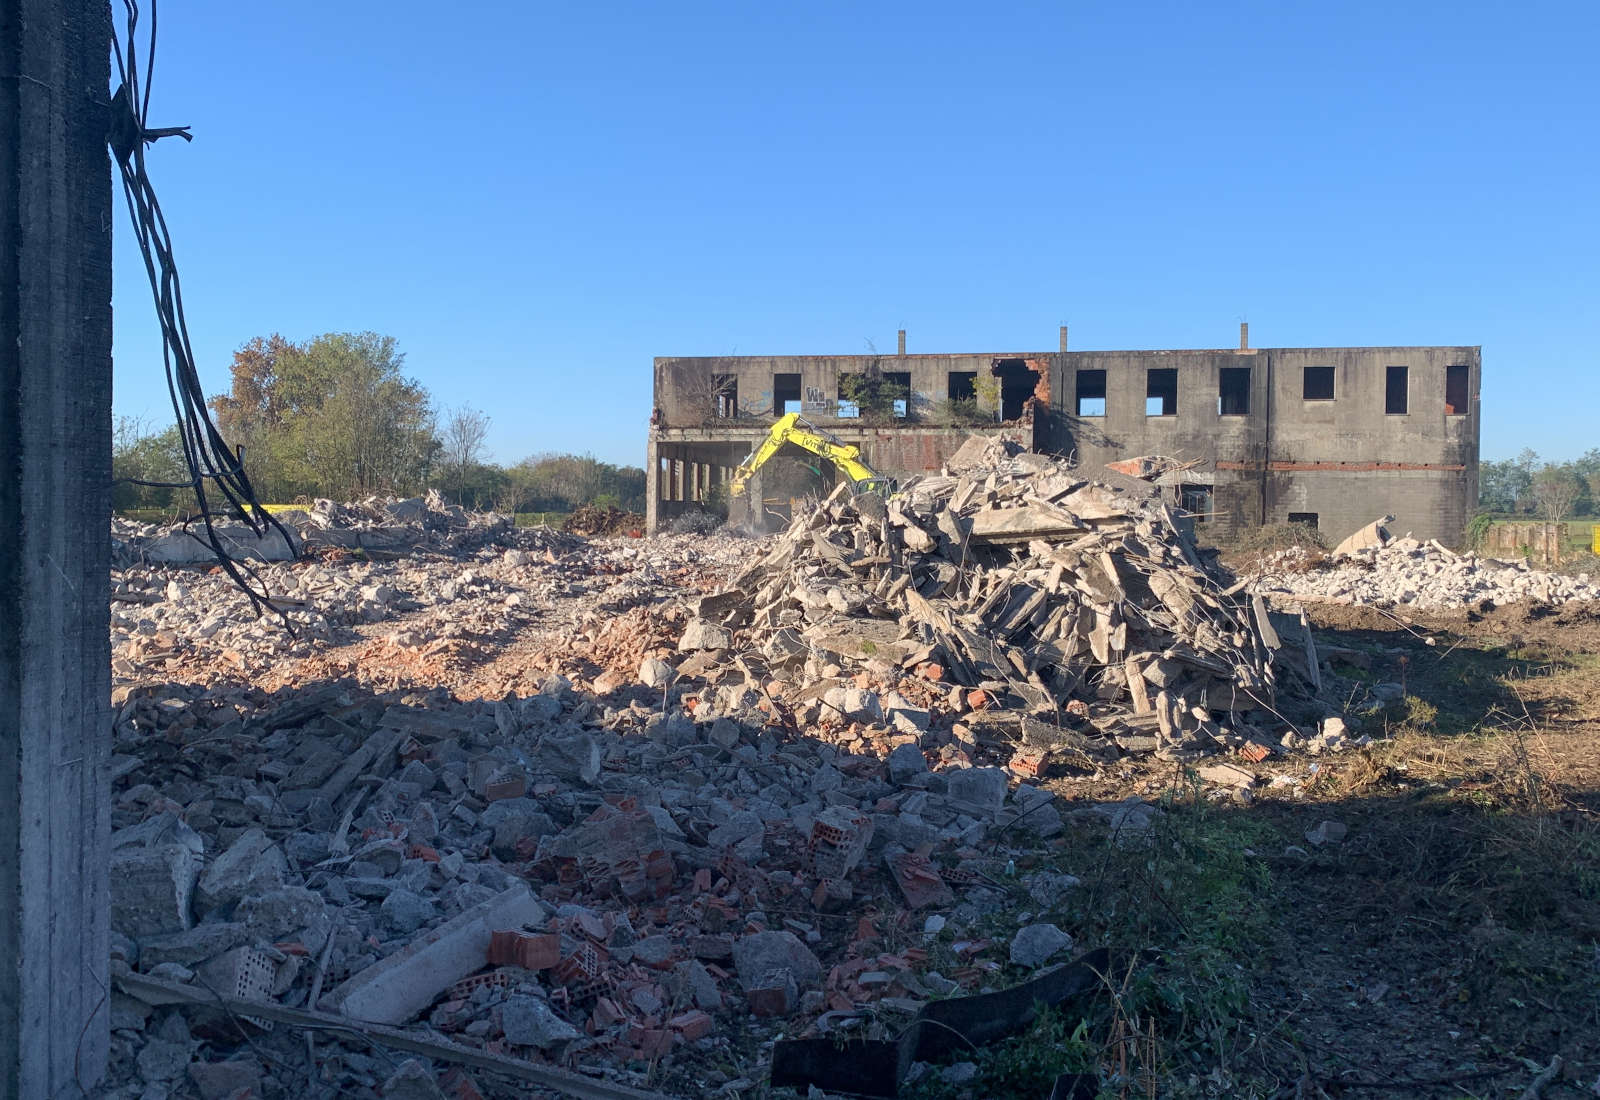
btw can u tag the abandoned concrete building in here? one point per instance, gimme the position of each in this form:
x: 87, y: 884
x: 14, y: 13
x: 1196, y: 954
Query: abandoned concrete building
x: 1331, y: 437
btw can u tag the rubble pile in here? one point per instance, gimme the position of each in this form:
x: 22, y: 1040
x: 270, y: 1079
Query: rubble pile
x: 1057, y: 611
x: 378, y: 525
x: 163, y: 612
x: 592, y: 519
x: 639, y: 818
x: 1408, y: 572
x: 563, y: 878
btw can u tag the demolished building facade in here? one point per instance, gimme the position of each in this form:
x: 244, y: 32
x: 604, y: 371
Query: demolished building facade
x: 1329, y: 437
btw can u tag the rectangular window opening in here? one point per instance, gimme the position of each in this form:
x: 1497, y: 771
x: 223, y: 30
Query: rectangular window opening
x: 1456, y: 398
x: 725, y: 396
x: 1317, y: 384
x: 847, y: 408
x: 1233, y: 392
x: 1197, y: 500
x: 1396, y: 390
x: 1018, y: 383
x: 785, y: 394
x: 962, y: 385
x: 1091, y: 393
x: 898, y: 385
x: 1307, y: 518
x: 1161, y: 391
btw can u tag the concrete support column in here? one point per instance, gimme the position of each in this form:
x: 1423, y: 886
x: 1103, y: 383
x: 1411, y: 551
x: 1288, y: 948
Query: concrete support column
x: 652, y: 486
x: 55, y: 468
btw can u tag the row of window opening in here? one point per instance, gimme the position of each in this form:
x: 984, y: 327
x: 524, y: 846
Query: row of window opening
x: 892, y: 388
x: 1233, y: 390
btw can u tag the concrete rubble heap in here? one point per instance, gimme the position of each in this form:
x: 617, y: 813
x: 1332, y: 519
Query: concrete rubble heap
x: 359, y: 564
x: 1039, y: 607
x: 1407, y: 572
x: 637, y: 818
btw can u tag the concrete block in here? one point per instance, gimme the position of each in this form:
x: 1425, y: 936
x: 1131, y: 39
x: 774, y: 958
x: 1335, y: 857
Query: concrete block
x: 154, y: 866
x: 983, y: 789
x: 758, y: 956
x: 530, y: 1022
x: 253, y: 864
x: 572, y: 756
x: 399, y: 987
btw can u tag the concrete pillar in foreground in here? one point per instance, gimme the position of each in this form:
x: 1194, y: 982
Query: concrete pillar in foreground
x: 55, y: 467
x: 652, y: 487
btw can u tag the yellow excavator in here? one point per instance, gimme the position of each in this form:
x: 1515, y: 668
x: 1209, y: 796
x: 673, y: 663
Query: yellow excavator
x: 792, y: 428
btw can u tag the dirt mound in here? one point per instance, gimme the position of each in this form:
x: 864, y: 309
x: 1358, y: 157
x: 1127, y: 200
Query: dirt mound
x: 597, y: 520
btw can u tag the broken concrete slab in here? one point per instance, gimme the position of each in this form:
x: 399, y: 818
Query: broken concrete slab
x: 402, y: 985
x: 252, y: 864
x: 1373, y: 534
x: 1034, y: 944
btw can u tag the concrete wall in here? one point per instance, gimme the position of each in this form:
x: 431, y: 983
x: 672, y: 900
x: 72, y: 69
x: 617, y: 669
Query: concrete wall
x: 1195, y: 432
x: 1344, y: 459
x: 55, y: 468
x: 684, y: 396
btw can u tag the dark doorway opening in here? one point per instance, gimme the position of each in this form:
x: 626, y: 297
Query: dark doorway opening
x: 1396, y: 390
x: 1091, y: 393
x: 897, y: 386
x: 1017, y: 383
x: 1161, y: 391
x: 785, y: 394
x: 1233, y: 391
x: 725, y: 396
x: 1455, y: 390
x: 1307, y: 518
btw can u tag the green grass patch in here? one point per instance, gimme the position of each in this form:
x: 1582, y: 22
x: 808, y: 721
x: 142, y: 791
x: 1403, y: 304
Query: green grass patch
x: 1186, y: 907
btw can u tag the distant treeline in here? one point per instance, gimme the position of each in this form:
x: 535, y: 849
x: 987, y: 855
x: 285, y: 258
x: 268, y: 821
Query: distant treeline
x: 334, y: 417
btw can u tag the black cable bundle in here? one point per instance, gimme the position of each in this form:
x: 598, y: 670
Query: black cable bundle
x: 209, y: 459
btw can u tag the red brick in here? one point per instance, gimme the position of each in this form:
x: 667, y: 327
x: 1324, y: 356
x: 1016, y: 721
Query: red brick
x: 691, y: 1025
x: 508, y: 786
x: 769, y: 1003
x: 607, y: 1013
x: 652, y: 1042
x: 457, y: 1084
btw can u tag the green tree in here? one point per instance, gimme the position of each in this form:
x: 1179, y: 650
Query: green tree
x: 1557, y: 489
x: 560, y: 483
x: 1506, y: 486
x: 331, y: 417
x: 142, y: 455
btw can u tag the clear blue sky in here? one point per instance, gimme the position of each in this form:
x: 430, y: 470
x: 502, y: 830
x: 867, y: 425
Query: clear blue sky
x: 536, y: 199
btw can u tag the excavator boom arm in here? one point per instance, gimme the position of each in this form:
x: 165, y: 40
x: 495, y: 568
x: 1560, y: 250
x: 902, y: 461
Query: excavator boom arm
x: 787, y: 429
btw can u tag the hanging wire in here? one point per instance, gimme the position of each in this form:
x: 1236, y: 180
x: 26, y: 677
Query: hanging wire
x: 213, y: 466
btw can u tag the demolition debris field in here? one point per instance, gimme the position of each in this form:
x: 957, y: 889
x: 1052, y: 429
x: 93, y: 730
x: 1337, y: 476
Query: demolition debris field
x: 502, y: 812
